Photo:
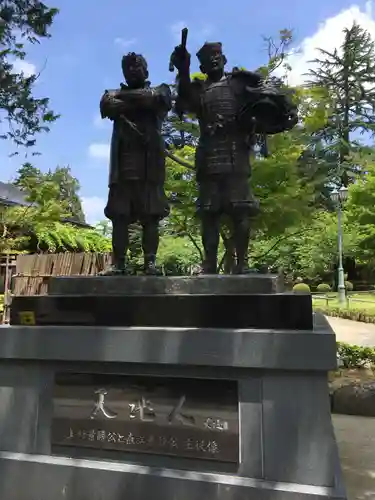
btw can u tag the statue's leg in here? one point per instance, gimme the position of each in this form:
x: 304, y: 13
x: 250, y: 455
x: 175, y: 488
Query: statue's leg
x: 120, y: 242
x: 120, y: 245
x: 150, y: 244
x: 241, y: 236
x: 210, y: 238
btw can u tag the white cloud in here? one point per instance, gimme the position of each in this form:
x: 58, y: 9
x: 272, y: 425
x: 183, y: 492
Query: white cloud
x: 93, y: 207
x: 328, y: 37
x: 99, y: 151
x: 125, y: 43
x: 100, y: 123
x: 25, y: 67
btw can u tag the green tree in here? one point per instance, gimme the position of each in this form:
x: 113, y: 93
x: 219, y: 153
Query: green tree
x: 348, y: 76
x: 68, y: 191
x: 360, y: 212
x: 19, y: 223
x: 29, y: 179
x: 22, y: 115
x: 177, y: 255
x: 40, y: 226
x: 181, y: 190
x: 104, y: 227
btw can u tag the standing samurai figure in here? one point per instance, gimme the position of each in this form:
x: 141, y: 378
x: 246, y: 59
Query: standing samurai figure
x: 137, y: 162
x: 231, y: 109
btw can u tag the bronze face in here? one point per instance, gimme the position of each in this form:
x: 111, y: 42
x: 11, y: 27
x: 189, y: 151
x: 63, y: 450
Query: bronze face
x: 134, y: 68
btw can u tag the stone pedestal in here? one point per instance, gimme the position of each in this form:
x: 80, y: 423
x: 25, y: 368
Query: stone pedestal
x: 280, y: 428
x: 176, y: 285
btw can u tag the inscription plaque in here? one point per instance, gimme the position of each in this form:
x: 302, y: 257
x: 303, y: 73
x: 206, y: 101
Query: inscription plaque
x: 189, y: 418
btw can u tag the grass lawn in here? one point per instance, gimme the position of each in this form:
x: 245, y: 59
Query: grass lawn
x: 356, y: 301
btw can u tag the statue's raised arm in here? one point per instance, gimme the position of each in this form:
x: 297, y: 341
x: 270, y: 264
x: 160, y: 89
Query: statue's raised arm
x: 188, y: 92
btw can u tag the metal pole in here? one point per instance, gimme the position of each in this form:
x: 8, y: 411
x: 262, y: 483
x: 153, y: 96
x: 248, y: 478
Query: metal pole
x: 341, y: 278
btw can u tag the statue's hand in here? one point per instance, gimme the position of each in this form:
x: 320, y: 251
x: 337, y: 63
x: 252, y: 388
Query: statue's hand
x: 180, y: 59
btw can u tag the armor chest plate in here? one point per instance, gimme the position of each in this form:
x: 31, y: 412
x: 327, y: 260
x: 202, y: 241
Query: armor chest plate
x: 219, y: 99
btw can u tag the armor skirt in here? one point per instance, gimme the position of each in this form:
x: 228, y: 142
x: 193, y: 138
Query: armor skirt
x: 226, y: 194
x: 136, y: 201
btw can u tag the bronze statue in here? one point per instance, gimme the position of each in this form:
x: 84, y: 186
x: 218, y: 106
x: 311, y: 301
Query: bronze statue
x: 137, y: 162
x: 231, y: 108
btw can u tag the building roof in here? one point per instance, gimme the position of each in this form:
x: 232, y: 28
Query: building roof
x: 10, y: 195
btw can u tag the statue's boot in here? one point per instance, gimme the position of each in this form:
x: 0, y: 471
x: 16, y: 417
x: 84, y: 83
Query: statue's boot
x: 115, y: 269
x: 209, y: 265
x: 243, y: 269
x: 150, y: 268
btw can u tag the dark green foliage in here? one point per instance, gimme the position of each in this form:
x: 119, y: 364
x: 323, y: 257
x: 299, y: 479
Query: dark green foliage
x: 353, y: 314
x: 22, y: 116
x: 348, y: 76
x: 353, y: 356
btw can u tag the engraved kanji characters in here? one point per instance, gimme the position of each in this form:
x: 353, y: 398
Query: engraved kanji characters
x: 144, y: 409
x: 202, y: 446
x: 82, y: 434
x: 91, y: 435
x: 112, y: 437
x: 213, y: 447
x: 176, y: 414
x: 100, y: 406
x: 130, y: 439
x: 101, y: 435
x: 173, y: 443
x: 216, y: 424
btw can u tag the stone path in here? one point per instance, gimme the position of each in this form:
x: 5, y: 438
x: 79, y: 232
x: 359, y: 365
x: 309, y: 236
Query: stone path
x: 353, y: 332
x: 356, y: 442
x: 356, y: 435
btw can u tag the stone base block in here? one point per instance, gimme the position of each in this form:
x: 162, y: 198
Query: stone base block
x: 201, y: 311
x: 151, y: 285
x: 287, y: 448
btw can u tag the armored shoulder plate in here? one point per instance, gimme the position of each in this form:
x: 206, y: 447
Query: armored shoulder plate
x: 111, y: 92
x: 250, y: 78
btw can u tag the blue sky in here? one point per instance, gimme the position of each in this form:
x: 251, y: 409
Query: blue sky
x: 83, y: 57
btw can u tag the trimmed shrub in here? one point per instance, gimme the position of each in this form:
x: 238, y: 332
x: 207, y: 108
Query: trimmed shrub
x: 301, y: 288
x: 354, y: 356
x: 353, y: 314
x: 349, y: 286
x: 323, y: 288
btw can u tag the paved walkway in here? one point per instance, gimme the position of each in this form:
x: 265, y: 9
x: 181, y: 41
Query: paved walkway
x: 353, y: 332
x: 356, y: 435
x: 356, y: 441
